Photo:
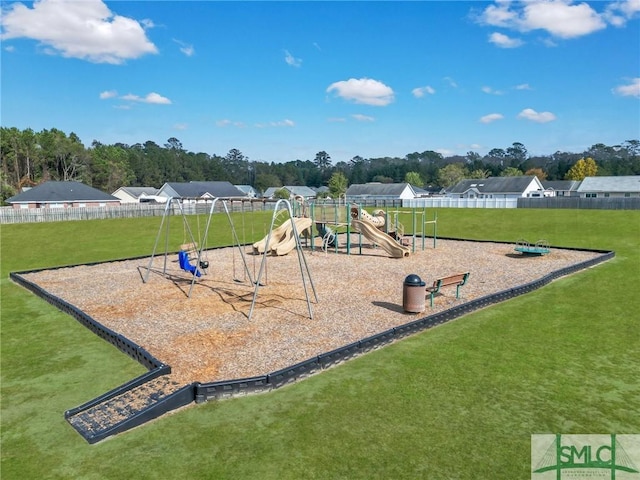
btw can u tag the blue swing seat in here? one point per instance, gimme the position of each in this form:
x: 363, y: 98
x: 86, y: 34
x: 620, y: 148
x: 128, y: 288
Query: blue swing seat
x: 183, y: 259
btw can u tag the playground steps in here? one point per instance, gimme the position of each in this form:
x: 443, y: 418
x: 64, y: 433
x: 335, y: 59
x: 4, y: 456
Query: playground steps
x: 110, y: 414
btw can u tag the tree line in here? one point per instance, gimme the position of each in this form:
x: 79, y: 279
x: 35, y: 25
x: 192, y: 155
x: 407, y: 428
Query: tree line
x: 30, y: 158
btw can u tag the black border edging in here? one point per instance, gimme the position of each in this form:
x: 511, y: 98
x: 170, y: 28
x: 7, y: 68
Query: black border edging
x: 228, y: 388
x: 125, y: 387
x: 122, y: 343
x: 177, y: 399
x: 203, y: 392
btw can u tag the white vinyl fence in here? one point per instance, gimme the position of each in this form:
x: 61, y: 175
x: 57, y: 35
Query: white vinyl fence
x: 448, y: 202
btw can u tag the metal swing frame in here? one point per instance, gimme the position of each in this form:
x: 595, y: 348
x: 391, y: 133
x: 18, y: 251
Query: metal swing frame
x: 168, y: 210
x: 302, y: 261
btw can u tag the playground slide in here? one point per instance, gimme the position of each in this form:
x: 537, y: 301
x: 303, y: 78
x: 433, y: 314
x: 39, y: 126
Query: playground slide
x: 377, y: 219
x: 374, y: 235
x: 282, y: 239
x: 288, y: 241
x: 276, y: 237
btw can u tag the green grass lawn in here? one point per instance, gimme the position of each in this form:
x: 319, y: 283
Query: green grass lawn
x: 458, y: 401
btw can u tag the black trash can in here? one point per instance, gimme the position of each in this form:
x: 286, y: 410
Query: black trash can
x: 413, y: 294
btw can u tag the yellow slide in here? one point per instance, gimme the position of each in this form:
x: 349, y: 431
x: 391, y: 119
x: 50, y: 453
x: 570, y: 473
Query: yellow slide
x: 282, y: 238
x: 378, y: 237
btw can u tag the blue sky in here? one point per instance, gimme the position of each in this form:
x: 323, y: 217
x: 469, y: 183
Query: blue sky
x: 281, y: 81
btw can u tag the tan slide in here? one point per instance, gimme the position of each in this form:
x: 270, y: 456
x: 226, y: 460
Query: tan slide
x: 282, y: 238
x: 374, y: 235
x: 288, y: 241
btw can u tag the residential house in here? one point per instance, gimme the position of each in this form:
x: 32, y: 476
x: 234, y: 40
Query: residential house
x: 322, y: 191
x: 62, y: 195
x: 497, y: 187
x: 560, y: 188
x: 248, y: 191
x: 610, y: 187
x: 136, y: 194
x: 361, y: 192
x: 199, y: 190
x: 294, y: 191
x: 428, y: 191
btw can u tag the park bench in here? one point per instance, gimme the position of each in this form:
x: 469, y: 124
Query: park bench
x: 459, y: 279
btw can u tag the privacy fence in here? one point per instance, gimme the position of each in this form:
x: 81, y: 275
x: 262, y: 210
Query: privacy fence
x: 127, y: 210
x: 622, y: 203
x: 135, y: 210
x: 139, y: 210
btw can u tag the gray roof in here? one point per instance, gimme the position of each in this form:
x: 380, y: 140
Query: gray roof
x: 199, y: 189
x: 622, y: 184
x: 494, y: 184
x: 381, y: 189
x: 137, y: 191
x: 246, y: 188
x: 55, y: 192
x: 300, y: 190
x: 293, y: 190
x: 561, y: 185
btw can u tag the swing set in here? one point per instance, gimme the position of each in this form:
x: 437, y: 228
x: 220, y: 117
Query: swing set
x: 191, y: 250
x: 305, y: 273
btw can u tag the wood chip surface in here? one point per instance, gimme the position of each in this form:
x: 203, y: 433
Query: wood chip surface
x: 209, y: 337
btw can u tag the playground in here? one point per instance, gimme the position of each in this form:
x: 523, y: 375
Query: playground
x: 544, y: 361
x: 204, y: 329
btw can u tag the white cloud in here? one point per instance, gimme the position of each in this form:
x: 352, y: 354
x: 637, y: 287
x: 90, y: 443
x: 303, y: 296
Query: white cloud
x: 281, y: 123
x: 503, y: 41
x: 559, y: 18
x: 562, y: 19
x: 152, y: 97
x: 451, y: 82
x: 336, y: 119
x: 492, y: 117
x: 363, y: 118
x: 491, y: 91
x: 364, y: 90
x: 78, y: 29
x: 523, y: 86
x: 291, y: 60
x: 632, y: 89
x: 185, y: 48
x: 538, y: 117
x: 420, y: 91
x: 499, y: 15
x: 284, y: 123
x: 181, y: 126
x: 618, y: 13
x: 108, y: 94
x: 445, y: 152
x: 228, y: 123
